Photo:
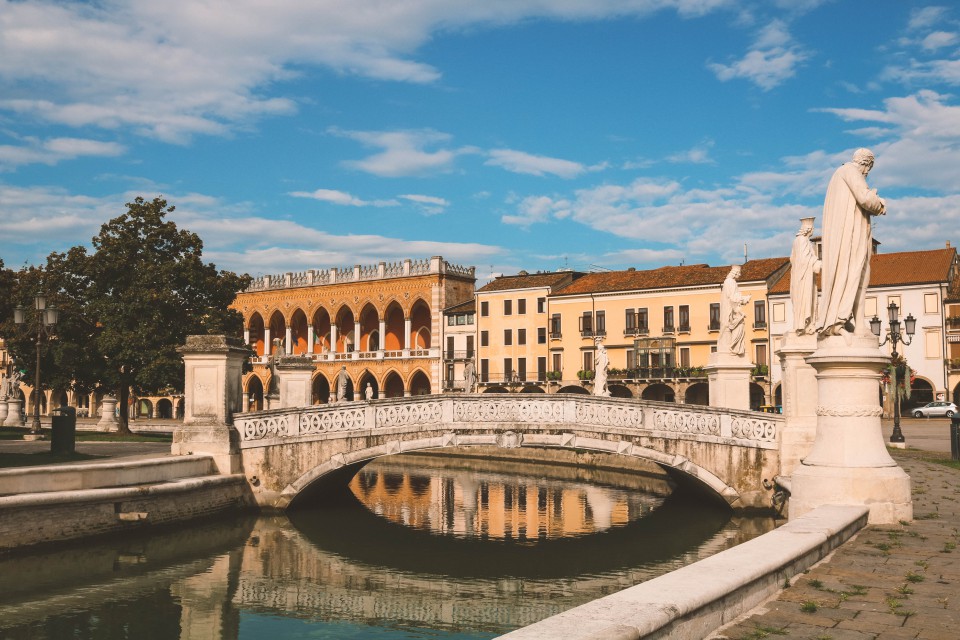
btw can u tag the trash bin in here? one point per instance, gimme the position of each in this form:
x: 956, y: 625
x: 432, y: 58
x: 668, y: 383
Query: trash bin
x: 955, y: 437
x: 64, y: 427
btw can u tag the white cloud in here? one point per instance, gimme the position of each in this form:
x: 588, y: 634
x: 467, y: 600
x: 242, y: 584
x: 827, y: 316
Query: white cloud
x: 772, y: 60
x: 522, y: 162
x: 428, y: 205
x: 921, y: 18
x: 939, y: 39
x: 233, y: 238
x: 174, y: 69
x: 54, y: 150
x: 404, y: 152
x: 342, y: 198
x: 699, y: 154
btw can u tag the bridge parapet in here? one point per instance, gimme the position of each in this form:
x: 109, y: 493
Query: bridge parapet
x: 695, y: 421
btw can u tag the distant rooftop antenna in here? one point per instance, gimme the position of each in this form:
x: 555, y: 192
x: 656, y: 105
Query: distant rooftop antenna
x: 744, y: 253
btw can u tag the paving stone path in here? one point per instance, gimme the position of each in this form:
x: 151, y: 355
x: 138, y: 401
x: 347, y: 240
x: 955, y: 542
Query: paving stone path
x: 890, y: 582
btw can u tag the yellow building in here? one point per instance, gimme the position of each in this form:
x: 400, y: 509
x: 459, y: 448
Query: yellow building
x: 512, y: 328
x: 658, y: 326
x: 380, y: 322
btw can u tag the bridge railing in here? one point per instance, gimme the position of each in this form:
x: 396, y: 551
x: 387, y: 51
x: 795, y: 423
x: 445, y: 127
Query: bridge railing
x: 512, y: 412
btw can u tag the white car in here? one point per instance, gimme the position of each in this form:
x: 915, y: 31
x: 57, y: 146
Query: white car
x: 935, y: 409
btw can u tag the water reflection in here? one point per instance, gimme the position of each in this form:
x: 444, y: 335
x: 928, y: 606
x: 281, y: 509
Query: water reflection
x: 452, y: 555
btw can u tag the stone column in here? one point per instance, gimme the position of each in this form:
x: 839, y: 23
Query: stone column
x: 267, y: 344
x: 3, y: 409
x: 406, y: 336
x: 729, y: 378
x: 288, y: 340
x: 356, y: 335
x: 211, y: 395
x: 849, y: 463
x: 13, y: 418
x: 333, y: 338
x: 246, y: 335
x: 296, y: 377
x: 381, y: 342
x: 311, y: 337
x: 799, y: 386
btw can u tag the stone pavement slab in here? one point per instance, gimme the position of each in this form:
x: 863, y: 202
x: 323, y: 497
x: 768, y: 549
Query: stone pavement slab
x: 889, y: 582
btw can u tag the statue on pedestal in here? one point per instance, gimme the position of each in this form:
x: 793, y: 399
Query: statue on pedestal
x: 847, y: 247
x: 601, y: 363
x: 804, y: 265
x: 732, y: 317
x: 343, y: 378
x: 368, y: 392
x: 469, y: 377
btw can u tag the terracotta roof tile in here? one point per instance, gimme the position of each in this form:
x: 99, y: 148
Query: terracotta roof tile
x: 669, y: 277
x: 463, y: 307
x: 904, y: 268
x: 532, y: 281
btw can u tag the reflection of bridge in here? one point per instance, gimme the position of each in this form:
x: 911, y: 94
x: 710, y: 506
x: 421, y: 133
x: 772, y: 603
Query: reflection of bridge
x: 730, y: 453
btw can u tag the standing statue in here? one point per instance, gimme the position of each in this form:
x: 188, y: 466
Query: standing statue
x: 732, y: 317
x: 273, y: 388
x: 469, y: 377
x: 601, y: 362
x: 804, y: 265
x: 368, y: 392
x: 341, y: 383
x: 847, y: 247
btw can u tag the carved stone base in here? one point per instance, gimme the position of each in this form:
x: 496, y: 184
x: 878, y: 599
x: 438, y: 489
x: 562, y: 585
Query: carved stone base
x: 221, y: 442
x: 13, y: 418
x: 108, y: 416
x: 849, y: 462
x: 729, y: 379
x: 3, y: 409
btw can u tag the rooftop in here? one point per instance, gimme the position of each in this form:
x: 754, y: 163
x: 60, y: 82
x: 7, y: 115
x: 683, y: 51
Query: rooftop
x: 525, y: 280
x: 670, y: 277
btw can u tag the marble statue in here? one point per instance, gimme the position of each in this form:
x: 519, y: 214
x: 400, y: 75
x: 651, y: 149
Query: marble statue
x: 469, y: 377
x: 601, y: 362
x: 342, y: 379
x: 368, y: 391
x: 804, y: 265
x: 273, y: 388
x: 732, y: 317
x: 847, y: 247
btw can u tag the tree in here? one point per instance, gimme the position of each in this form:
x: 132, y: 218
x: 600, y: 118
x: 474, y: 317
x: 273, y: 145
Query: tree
x: 127, y: 306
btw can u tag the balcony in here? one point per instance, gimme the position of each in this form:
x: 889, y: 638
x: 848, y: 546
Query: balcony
x: 760, y: 324
x: 684, y: 328
x: 586, y: 333
x: 643, y: 374
x: 953, y: 323
x: 669, y: 330
x: 457, y: 355
x: 714, y: 326
x: 555, y: 335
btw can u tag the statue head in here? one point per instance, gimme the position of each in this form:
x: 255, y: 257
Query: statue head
x: 734, y: 272
x: 806, y: 227
x: 864, y: 158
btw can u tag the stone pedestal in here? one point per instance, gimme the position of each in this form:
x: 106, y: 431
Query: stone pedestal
x: 799, y: 400
x: 296, y: 382
x: 108, y: 415
x: 13, y: 418
x: 849, y: 463
x: 729, y: 379
x: 3, y: 409
x: 212, y: 393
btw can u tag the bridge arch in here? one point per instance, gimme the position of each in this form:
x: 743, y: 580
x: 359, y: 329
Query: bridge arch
x: 734, y: 455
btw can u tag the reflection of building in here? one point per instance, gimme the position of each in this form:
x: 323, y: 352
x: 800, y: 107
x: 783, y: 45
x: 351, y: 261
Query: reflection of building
x: 659, y: 327
x: 472, y: 503
x: 378, y: 321
x: 919, y: 283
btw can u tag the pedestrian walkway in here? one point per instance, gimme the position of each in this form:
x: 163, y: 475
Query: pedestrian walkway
x: 889, y: 583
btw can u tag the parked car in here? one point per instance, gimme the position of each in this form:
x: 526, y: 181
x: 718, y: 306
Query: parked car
x: 935, y: 409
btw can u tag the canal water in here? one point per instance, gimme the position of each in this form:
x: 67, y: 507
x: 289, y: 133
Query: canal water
x: 415, y: 548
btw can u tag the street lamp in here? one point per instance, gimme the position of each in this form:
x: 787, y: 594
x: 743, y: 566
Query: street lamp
x: 44, y: 320
x: 895, y: 337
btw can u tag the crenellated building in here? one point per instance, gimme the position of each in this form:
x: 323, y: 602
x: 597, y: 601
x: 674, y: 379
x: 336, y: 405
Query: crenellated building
x: 380, y: 322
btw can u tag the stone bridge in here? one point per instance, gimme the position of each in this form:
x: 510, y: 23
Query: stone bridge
x: 288, y: 453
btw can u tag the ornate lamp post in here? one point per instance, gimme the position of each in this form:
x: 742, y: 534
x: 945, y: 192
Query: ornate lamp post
x: 43, y: 321
x: 895, y: 337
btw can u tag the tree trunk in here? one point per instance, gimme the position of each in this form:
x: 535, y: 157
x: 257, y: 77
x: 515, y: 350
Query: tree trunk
x: 124, y: 419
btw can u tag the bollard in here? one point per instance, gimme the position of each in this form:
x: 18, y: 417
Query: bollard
x: 955, y: 437
x: 63, y: 438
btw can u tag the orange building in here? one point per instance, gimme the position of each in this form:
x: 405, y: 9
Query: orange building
x: 381, y: 322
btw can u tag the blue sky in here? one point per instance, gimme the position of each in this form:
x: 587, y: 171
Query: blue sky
x: 506, y: 134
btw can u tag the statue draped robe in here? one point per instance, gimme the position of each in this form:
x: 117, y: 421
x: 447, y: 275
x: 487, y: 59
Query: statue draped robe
x: 804, y: 266
x: 847, y: 247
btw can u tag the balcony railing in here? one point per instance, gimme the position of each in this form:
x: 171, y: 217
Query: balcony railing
x: 760, y: 324
x: 360, y: 355
x: 457, y: 355
x: 714, y: 326
x: 684, y: 328
x: 669, y: 329
x: 555, y: 335
x: 636, y: 331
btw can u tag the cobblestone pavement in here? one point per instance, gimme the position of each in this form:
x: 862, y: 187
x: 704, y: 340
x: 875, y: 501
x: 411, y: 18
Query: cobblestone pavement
x: 890, y: 582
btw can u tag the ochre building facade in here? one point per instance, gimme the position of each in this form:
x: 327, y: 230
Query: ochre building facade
x: 380, y: 323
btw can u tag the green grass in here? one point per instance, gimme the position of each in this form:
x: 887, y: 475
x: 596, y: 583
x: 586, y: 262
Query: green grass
x: 15, y: 433
x: 809, y: 607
